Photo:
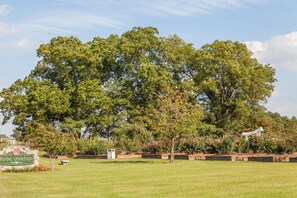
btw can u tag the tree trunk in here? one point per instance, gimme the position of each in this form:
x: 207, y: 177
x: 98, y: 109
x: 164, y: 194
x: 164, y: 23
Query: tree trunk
x: 52, y: 162
x: 172, y: 151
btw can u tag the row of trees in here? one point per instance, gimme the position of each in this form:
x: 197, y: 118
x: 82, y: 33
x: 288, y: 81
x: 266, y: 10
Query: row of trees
x: 116, y: 87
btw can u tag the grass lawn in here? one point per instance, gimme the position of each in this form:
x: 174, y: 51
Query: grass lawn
x: 154, y: 178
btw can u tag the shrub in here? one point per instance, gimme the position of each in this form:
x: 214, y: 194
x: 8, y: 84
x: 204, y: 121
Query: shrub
x: 226, y: 145
x: 211, y: 144
x: 128, y: 145
x: 157, y: 147
x: 193, y: 146
x: 93, y: 146
x: 271, y: 145
x: 241, y: 146
x: 42, y: 168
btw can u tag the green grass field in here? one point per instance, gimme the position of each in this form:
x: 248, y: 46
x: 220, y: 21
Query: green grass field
x: 154, y: 178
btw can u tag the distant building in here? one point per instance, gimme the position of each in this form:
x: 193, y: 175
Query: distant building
x: 4, y: 137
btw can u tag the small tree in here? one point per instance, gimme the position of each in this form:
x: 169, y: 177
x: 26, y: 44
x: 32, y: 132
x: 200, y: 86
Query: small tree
x: 176, y: 117
x: 52, y: 142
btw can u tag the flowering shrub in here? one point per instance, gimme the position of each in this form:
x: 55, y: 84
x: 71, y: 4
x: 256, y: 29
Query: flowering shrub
x: 93, y: 146
x: 42, y: 168
x: 157, y: 147
x: 193, y: 146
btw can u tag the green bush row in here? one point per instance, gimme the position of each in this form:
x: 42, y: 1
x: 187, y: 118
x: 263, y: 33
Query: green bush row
x: 231, y: 144
x: 226, y: 145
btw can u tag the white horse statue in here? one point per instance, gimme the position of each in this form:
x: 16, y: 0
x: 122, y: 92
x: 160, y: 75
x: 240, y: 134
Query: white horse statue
x: 256, y: 132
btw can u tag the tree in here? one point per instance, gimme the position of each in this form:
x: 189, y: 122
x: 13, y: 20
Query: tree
x: 53, y: 142
x: 232, y: 85
x: 37, y: 100
x: 176, y: 117
x: 109, y: 83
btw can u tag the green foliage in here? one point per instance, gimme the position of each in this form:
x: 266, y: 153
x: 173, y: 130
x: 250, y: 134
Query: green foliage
x: 232, y: 84
x: 3, y: 144
x: 191, y: 146
x: 227, y: 145
x: 128, y: 145
x: 52, y: 142
x: 270, y: 145
x: 157, y: 147
x: 176, y: 117
x: 93, y: 146
x: 230, y: 144
x: 139, y: 87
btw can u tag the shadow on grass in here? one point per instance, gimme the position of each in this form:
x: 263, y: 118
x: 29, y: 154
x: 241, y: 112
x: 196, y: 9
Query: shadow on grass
x: 129, y: 162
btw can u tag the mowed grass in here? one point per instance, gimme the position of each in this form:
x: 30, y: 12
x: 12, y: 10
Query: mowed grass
x: 154, y: 178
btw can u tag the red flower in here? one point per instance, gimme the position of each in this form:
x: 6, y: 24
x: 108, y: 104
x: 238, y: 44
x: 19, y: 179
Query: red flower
x: 16, y: 151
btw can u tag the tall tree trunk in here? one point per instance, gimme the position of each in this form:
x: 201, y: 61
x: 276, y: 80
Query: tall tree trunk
x: 52, y: 161
x: 172, y: 151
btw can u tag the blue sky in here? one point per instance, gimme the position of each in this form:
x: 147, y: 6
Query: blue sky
x: 268, y: 27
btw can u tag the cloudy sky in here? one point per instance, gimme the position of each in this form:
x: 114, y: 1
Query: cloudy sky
x: 268, y: 27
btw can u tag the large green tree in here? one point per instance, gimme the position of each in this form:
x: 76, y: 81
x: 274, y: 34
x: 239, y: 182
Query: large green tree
x: 232, y: 84
x: 37, y: 100
x: 109, y: 83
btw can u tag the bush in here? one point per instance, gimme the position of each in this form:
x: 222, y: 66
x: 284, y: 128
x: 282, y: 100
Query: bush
x: 157, y: 147
x: 128, y: 145
x: 193, y: 146
x: 211, y: 144
x: 226, y: 145
x: 270, y: 145
x: 3, y: 144
x: 93, y: 146
x: 42, y: 168
x: 241, y: 146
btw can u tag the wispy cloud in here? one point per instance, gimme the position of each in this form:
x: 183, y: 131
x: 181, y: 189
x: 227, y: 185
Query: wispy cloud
x: 280, y: 51
x: 5, y: 9
x: 24, y: 44
x: 191, y: 7
x: 6, y: 30
x: 71, y: 21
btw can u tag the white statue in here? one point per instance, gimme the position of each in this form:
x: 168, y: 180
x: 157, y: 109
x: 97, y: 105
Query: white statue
x: 256, y: 132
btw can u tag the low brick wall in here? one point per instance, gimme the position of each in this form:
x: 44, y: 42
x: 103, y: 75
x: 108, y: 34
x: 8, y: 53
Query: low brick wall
x: 240, y: 157
x: 104, y: 156
x: 281, y: 158
x: 261, y: 158
x: 293, y: 159
x: 64, y: 156
x: 197, y: 156
x: 155, y: 156
x: 219, y: 157
x: 128, y: 156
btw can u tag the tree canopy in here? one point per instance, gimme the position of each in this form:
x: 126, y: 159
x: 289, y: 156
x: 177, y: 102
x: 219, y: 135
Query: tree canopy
x: 106, y: 86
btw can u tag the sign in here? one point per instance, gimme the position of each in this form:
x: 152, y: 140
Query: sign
x: 18, y: 157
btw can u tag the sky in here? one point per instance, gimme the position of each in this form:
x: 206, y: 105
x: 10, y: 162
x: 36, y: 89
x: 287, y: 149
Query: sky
x: 267, y: 27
